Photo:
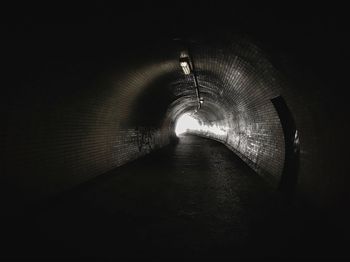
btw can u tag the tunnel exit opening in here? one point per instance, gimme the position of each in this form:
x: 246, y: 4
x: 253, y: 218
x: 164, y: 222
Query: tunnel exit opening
x: 186, y: 123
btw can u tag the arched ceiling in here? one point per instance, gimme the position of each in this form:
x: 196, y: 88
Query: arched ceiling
x: 236, y: 82
x: 226, y: 76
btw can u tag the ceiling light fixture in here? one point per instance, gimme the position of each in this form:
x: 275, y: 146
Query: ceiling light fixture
x: 185, y: 65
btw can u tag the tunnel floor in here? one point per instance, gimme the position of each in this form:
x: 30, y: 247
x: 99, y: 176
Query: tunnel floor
x: 192, y: 200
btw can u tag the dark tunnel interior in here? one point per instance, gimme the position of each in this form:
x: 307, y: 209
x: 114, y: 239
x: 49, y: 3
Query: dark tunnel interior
x: 174, y: 131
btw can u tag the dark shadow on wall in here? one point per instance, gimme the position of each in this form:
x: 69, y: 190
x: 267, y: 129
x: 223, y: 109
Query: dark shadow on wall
x: 150, y: 108
x: 291, y: 139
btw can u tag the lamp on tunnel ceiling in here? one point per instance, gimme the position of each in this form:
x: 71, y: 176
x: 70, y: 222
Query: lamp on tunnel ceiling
x: 188, y: 68
x: 185, y: 65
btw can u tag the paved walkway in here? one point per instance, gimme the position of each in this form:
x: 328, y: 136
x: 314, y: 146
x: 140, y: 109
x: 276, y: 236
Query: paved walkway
x: 194, y: 200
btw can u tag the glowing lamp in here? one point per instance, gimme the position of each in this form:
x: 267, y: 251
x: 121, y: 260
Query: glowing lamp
x: 185, y: 65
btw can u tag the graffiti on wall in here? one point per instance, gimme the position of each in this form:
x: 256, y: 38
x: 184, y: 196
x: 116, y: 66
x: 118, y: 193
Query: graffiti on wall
x: 144, y: 138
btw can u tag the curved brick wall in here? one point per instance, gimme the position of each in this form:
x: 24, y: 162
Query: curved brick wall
x: 79, y: 119
x: 239, y: 79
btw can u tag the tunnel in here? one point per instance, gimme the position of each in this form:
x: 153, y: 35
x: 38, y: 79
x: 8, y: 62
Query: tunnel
x: 184, y: 132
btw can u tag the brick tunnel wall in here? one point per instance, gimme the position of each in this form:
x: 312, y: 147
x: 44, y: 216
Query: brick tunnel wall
x: 240, y: 79
x: 82, y: 125
x: 59, y: 130
x: 252, y: 124
x: 62, y: 131
x: 67, y: 126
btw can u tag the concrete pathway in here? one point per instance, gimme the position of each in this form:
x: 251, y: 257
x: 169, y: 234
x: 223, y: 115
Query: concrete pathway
x: 195, y: 200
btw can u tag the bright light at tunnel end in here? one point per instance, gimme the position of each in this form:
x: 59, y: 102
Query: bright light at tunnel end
x: 187, y: 123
